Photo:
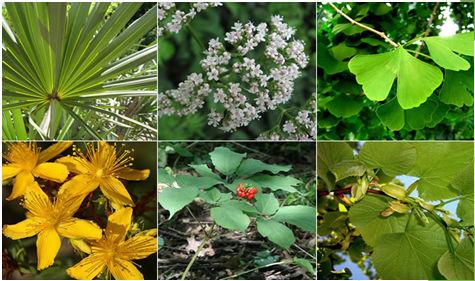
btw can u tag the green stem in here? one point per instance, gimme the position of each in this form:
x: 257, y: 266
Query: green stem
x: 450, y: 243
x: 190, y: 264
x: 448, y: 201
x: 418, y: 53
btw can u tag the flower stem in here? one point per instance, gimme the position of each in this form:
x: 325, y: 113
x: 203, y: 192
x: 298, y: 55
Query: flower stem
x: 195, y: 37
x: 381, y: 34
x: 197, y: 252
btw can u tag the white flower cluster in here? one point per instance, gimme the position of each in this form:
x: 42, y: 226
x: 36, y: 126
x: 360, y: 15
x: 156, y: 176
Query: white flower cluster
x: 301, y: 127
x: 170, y: 19
x: 253, y: 71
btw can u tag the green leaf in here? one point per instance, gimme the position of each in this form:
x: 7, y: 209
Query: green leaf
x: 301, y: 216
x: 329, y: 64
x: 348, y: 168
x: 365, y: 215
x: 464, y: 184
x: 328, y: 154
x: 196, y: 182
x: 349, y: 29
x: 458, y: 265
x: 276, y: 182
x: 411, y: 254
x: 457, y: 88
x: 266, y: 203
x: 437, y: 164
x: 342, y: 51
x: 391, y: 115
x: 213, y: 196
x: 443, y: 50
x: 332, y: 221
x: 204, y: 171
x: 344, y: 106
x: 394, y: 158
x: 417, y: 118
x: 305, y: 264
x: 174, y: 199
x: 230, y: 218
x: 252, y: 166
x: 241, y: 205
x: 225, y: 160
x: 164, y: 177
x: 376, y: 73
x: 275, y: 232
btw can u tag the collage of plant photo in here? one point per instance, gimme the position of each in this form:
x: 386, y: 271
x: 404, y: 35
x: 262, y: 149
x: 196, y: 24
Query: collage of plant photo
x: 238, y: 140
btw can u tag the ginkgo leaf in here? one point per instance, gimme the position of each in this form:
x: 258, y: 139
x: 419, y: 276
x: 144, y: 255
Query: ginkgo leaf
x: 457, y: 88
x: 458, y: 265
x: 427, y: 114
x: 443, y: 50
x: 417, y: 80
x: 365, y: 215
x: 393, y: 158
x: 344, y: 106
x: 412, y: 253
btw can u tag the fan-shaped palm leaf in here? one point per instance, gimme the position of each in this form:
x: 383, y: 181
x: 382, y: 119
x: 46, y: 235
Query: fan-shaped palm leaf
x: 60, y: 60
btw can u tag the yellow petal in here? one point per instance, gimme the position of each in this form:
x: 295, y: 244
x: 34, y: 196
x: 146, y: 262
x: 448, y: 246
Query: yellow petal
x: 115, y: 191
x: 149, y: 232
x: 47, y: 247
x: 37, y: 202
x: 80, y: 245
x: 87, y: 268
x: 22, y: 181
x: 53, y: 151
x: 80, y: 184
x: 127, y: 173
x: 26, y: 228
x: 74, y: 164
x: 51, y: 171
x: 79, y: 229
x: 124, y: 270
x: 138, y: 247
x: 9, y: 171
x: 118, y: 224
x: 68, y: 204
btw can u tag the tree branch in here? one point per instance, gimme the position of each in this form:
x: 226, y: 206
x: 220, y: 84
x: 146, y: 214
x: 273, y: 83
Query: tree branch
x: 429, y: 28
x: 381, y: 34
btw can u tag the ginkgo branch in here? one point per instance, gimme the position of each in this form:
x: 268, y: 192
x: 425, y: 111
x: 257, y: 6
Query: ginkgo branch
x: 429, y: 27
x: 380, y: 33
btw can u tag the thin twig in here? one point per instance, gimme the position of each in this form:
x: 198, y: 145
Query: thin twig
x: 381, y: 34
x: 429, y: 28
x: 200, y: 247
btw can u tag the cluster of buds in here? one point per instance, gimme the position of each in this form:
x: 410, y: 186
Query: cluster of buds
x: 246, y: 190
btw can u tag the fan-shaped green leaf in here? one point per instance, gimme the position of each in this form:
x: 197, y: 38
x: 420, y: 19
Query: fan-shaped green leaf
x: 457, y: 88
x: 443, y: 50
x: 376, y: 73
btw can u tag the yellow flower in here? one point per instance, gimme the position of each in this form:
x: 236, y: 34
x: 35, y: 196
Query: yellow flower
x: 102, y: 167
x: 26, y: 161
x: 51, y: 220
x: 115, y: 252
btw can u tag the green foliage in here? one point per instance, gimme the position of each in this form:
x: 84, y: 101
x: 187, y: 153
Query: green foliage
x: 79, y: 70
x: 369, y: 89
x: 229, y: 169
x: 406, y: 237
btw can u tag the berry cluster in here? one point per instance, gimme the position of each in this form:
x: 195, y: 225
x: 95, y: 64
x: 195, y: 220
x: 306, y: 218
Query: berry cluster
x: 246, y: 190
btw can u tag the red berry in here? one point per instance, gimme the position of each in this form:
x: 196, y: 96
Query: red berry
x: 250, y: 196
x: 252, y: 190
x: 240, y: 194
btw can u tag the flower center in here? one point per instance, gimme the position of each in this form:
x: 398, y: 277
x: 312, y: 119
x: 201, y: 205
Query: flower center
x: 99, y: 173
x: 24, y: 155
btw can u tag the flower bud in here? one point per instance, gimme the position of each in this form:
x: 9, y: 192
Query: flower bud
x: 398, y: 206
x: 386, y: 212
x: 394, y: 190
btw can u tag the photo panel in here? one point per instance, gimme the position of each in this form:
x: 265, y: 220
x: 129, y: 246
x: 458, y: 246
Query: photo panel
x: 395, y: 71
x: 79, y: 71
x: 79, y: 210
x: 395, y: 210
x: 236, y: 71
x: 236, y: 210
